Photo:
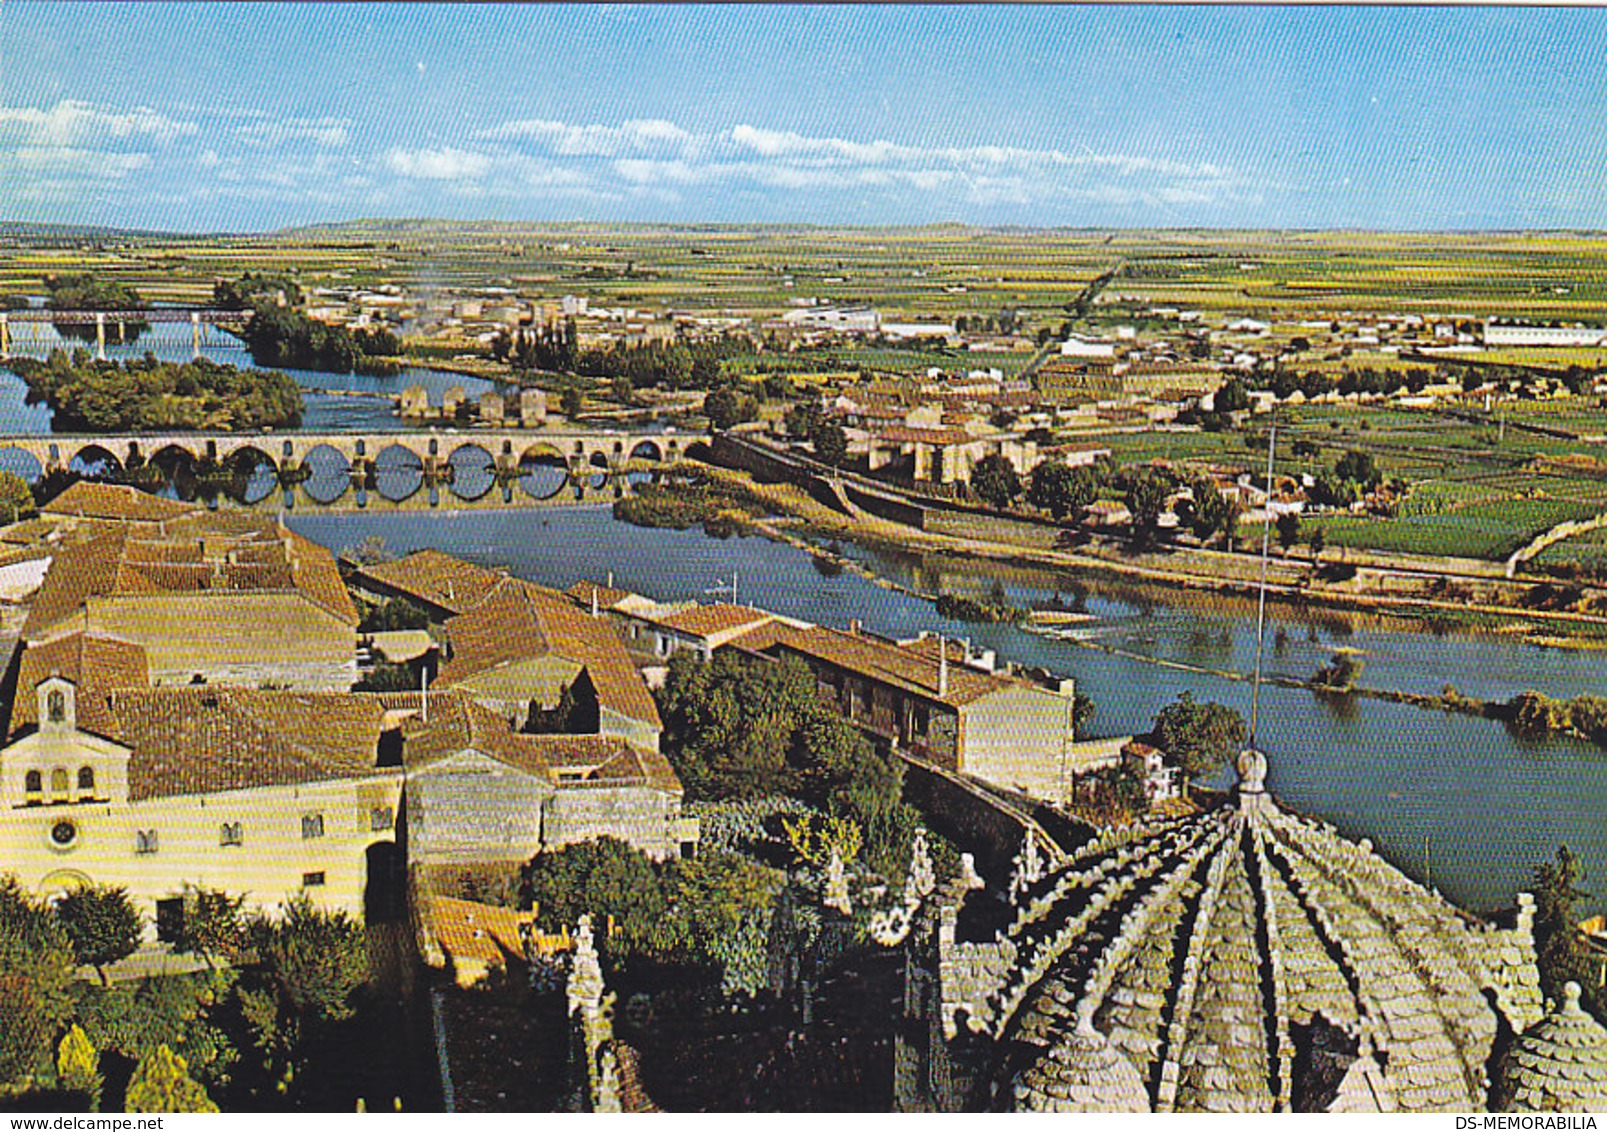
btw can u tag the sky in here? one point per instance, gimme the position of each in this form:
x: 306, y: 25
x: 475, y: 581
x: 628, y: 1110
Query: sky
x: 253, y: 117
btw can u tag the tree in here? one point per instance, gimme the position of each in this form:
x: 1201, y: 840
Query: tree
x: 604, y: 877
x: 36, y: 971
x: 1199, y: 738
x: 1558, y: 948
x: 78, y: 1066
x: 1317, y: 540
x: 1147, y: 492
x: 310, y: 964
x: 1231, y: 397
x: 213, y: 926
x: 728, y: 406
x: 1340, y: 673
x: 830, y: 442
x: 1212, y: 512
x: 995, y: 481
x: 1082, y: 713
x: 15, y: 498
x: 1288, y: 530
x: 1358, y: 468
x: 731, y: 725
x: 1062, y: 490
x: 571, y: 401
x: 162, y: 1083
x: 102, y: 924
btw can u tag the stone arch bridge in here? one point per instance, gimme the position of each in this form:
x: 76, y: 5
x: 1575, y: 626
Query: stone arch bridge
x: 581, y: 452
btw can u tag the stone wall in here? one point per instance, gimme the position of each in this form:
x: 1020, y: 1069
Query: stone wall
x: 646, y: 818
x: 472, y: 808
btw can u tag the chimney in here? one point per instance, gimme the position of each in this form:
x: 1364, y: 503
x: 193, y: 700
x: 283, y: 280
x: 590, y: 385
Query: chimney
x: 424, y: 692
x: 942, y: 666
x: 594, y: 601
x: 610, y: 579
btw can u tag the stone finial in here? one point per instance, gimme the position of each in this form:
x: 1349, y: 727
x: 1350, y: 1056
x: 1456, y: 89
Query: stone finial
x: 1252, y: 766
x: 1570, y: 998
x: 837, y: 886
x: 969, y: 877
x: 1029, y: 867
x: 920, y: 882
x: 586, y: 972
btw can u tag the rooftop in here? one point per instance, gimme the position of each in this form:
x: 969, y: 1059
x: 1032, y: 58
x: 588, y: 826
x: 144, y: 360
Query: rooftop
x: 205, y: 740
x: 914, y: 668
x: 95, y: 664
x: 435, y: 578
x: 195, y: 554
x: 709, y: 620
x: 88, y: 499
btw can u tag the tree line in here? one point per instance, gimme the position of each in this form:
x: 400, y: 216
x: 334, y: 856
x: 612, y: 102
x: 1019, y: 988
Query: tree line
x: 144, y: 394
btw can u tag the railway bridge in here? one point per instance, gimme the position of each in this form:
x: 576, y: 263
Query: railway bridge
x: 198, y: 319
x: 581, y: 453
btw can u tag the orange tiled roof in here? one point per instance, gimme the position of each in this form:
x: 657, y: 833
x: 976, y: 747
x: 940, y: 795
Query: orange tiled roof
x: 199, y: 554
x: 707, y: 620
x: 520, y: 619
x: 939, y: 436
x: 87, y: 499
x: 607, y: 596
x: 203, y: 740
x: 603, y: 761
x: 467, y: 929
x: 95, y: 664
x: 592, y: 642
x: 504, y: 627
x: 873, y: 659
x: 436, y: 578
x: 456, y: 723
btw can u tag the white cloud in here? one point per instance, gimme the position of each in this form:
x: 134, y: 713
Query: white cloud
x: 641, y: 135
x: 655, y: 154
x: 445, y: 164
x: 71, y: 122
x: 325, y: 133
x: 58, y: 159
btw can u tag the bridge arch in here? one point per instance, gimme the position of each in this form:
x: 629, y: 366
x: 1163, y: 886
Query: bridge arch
x: 398, y: 473
x: 326, y: 471
x: 543, y: 470
x: 20, y: 461
x: 93, y: 461
x: 474, y: 470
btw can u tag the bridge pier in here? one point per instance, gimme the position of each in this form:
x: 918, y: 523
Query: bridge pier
x: 195, y: 336
x: 100, y: 336
x: 5, y: 336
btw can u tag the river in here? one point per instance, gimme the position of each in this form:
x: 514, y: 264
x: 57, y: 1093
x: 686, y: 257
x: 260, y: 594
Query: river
x: 328, y: 406
x: 1456, y: 800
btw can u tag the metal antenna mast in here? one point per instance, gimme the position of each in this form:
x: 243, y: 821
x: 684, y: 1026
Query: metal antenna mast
x: 1261, y: 600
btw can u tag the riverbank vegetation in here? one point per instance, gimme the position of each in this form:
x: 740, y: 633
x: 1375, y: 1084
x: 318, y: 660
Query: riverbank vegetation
x: 280, y: 335
x: 88, y: 292
x: 689, y: 499
x: 987, y: 612
x: 144, y: 394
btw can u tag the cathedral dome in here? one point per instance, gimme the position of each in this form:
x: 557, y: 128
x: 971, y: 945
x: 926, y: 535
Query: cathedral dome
x: 1246, y: 959
x: 1560, y: 1063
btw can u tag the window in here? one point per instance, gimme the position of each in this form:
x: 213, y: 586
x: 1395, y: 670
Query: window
x: 231, y: 833
x: 170, y: 919
x: 33, y: 784
x: 145, y: 841
x: 312, y: 825
x: 381, y: 817
x: 86, y: 780
x: 312, y: 880
x: 56, y: 707
x: 58, y: 785
x: 63, y: 834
